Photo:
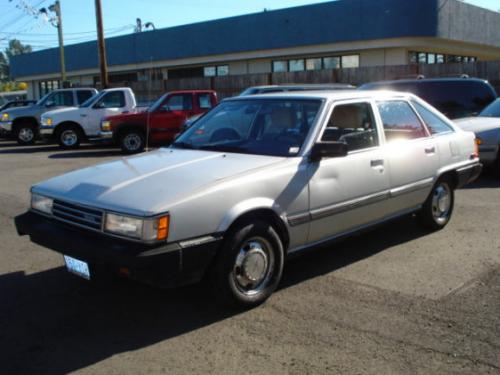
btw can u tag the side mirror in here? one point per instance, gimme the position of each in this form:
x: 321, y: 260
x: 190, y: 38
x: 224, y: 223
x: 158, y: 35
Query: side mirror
x: 165, y: 108
x: 50, y: 104
x: 328, y: 150
x: 99, y: 105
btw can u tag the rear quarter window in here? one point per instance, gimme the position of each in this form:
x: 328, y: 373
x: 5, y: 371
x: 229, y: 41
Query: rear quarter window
x: 433, y: 122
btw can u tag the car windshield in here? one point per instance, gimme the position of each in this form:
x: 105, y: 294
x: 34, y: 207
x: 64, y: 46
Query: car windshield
x: 157, y: 103
x: 92, y: 99
x: 493, y: 110
x: 276, y: 127
x: 44, y: 98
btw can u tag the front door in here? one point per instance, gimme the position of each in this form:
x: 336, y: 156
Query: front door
x: 348, y: 192
x: 167, y: 120
x: 112, y: 103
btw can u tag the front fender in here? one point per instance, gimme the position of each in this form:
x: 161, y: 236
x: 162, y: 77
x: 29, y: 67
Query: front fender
x: 246, y: 206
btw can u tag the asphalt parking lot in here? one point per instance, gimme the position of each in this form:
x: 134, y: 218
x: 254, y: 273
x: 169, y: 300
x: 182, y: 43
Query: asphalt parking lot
x: 396, y: 300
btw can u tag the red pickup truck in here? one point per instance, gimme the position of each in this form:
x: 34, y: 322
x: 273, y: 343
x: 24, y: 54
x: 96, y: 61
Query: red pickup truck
x: 159, y: 123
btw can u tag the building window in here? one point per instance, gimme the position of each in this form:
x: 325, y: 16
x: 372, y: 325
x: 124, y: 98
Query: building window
x: 280, y: 66
x: 313, y: 64
x: 47, y: 86
x: 223, y: 70
x: 331, y: 62
x: 212, y: 71
x: 296, y: 65
x: 351, y: 61
x: 437, y: 58
x: 422, y: 58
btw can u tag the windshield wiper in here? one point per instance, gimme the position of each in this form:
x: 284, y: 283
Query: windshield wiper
x: 224, y: 148
x: 184, y: 145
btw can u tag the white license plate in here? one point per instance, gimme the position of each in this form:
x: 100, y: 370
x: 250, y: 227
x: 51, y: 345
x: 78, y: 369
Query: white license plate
x: 77, y: 267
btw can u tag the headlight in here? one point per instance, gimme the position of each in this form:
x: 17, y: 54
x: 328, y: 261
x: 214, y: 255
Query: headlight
x: 47, y: 121
x: 5, y: 117
x: 106, y: 126
x: 41, y: 203
x: 143, y: 229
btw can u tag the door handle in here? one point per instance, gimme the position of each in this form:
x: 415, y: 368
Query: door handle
x: 82, y: 115
x: 377, y: 163
x: 430, y: 150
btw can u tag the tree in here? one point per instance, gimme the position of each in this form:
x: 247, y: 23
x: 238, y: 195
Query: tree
x: 14, y: 48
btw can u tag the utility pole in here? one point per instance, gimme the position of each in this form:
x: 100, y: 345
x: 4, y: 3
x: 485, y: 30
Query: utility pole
x: 101, y: 46
x: 57, y: 22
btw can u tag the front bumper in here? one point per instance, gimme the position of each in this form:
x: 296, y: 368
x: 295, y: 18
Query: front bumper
x: 164, y: 265
x: 468, y: 174
x: 46, y: 131
x: 488, y: 153
x: 6, y: 126
x: 106, y: 135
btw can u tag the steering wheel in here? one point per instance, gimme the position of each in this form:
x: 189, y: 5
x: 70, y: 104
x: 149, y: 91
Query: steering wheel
x: 224, y: 134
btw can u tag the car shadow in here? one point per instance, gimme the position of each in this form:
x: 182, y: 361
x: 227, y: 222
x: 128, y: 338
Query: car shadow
x: 486, y: 180
x: 16, y: 149
x: 54, y: 323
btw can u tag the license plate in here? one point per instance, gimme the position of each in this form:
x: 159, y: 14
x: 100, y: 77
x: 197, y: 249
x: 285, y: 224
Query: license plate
x: 77, y: 267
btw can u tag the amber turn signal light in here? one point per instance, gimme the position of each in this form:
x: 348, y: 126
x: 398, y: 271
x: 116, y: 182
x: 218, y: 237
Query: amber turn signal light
x: 163, y: 224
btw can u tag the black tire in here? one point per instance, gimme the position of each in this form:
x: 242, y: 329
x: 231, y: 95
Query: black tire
x: 132, y: 141
x: 69, y: 136
x: 241, y: 261
x: 436, y: 212
x: 25, y: 133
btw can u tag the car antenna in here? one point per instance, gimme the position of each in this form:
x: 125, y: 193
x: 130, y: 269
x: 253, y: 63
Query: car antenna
x: 150, y: 83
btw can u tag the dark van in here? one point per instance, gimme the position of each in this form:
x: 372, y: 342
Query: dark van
x: 455, y: 97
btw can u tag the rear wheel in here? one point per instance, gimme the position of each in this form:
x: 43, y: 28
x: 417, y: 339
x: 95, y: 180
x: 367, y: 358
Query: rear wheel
x: 69, y: 137
x: 132, y: 141
x: 25, y: 133
x: 249, y: 266
x: 438, y: 208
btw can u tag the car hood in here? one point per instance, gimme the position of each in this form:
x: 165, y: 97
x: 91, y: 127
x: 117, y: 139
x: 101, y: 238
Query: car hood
x: 145, y: 184
x: 478, y: 124
x: 23, y: 111
x: 64, y: 112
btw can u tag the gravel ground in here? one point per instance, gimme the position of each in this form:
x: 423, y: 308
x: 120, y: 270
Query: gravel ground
x: 395, y: 300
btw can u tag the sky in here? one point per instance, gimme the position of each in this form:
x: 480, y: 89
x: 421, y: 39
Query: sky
x: 20, y: 18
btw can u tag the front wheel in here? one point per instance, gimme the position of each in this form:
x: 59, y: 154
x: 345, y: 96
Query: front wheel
x: 69, y: 137
x: 437, y: 209
x: 249, y: 266
x: 132, y: 141
x: 25, y: 134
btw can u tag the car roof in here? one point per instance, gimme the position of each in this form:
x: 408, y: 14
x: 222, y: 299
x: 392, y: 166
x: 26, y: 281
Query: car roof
x: 328, y: 95
x: 421, y: 80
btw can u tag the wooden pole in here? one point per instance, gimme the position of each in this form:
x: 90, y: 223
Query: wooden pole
x: 101, y: 46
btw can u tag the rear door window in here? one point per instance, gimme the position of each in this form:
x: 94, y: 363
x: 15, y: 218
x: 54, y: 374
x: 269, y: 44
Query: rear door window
x: 83, y: 95
x: 433, y: 122
x: 353, y: 124
x: 400, y: 121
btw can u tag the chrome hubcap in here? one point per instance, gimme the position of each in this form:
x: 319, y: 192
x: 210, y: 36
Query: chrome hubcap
x: 253, y: 266
x: 69, y: 137
x: 132, y: 142
x: 26, y: 134
x: 441, y: 203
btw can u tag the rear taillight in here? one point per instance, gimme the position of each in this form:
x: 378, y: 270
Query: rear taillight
x: 477, y: 142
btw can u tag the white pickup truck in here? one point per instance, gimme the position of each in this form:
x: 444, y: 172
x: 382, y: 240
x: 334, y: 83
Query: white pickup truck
x: 70, y: 126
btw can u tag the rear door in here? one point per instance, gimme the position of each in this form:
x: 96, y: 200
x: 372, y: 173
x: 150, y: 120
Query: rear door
x: 412, y: 154
x: 348, y: 192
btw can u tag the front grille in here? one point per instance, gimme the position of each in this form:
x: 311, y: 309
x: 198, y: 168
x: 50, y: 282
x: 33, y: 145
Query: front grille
x: 74, y: 214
